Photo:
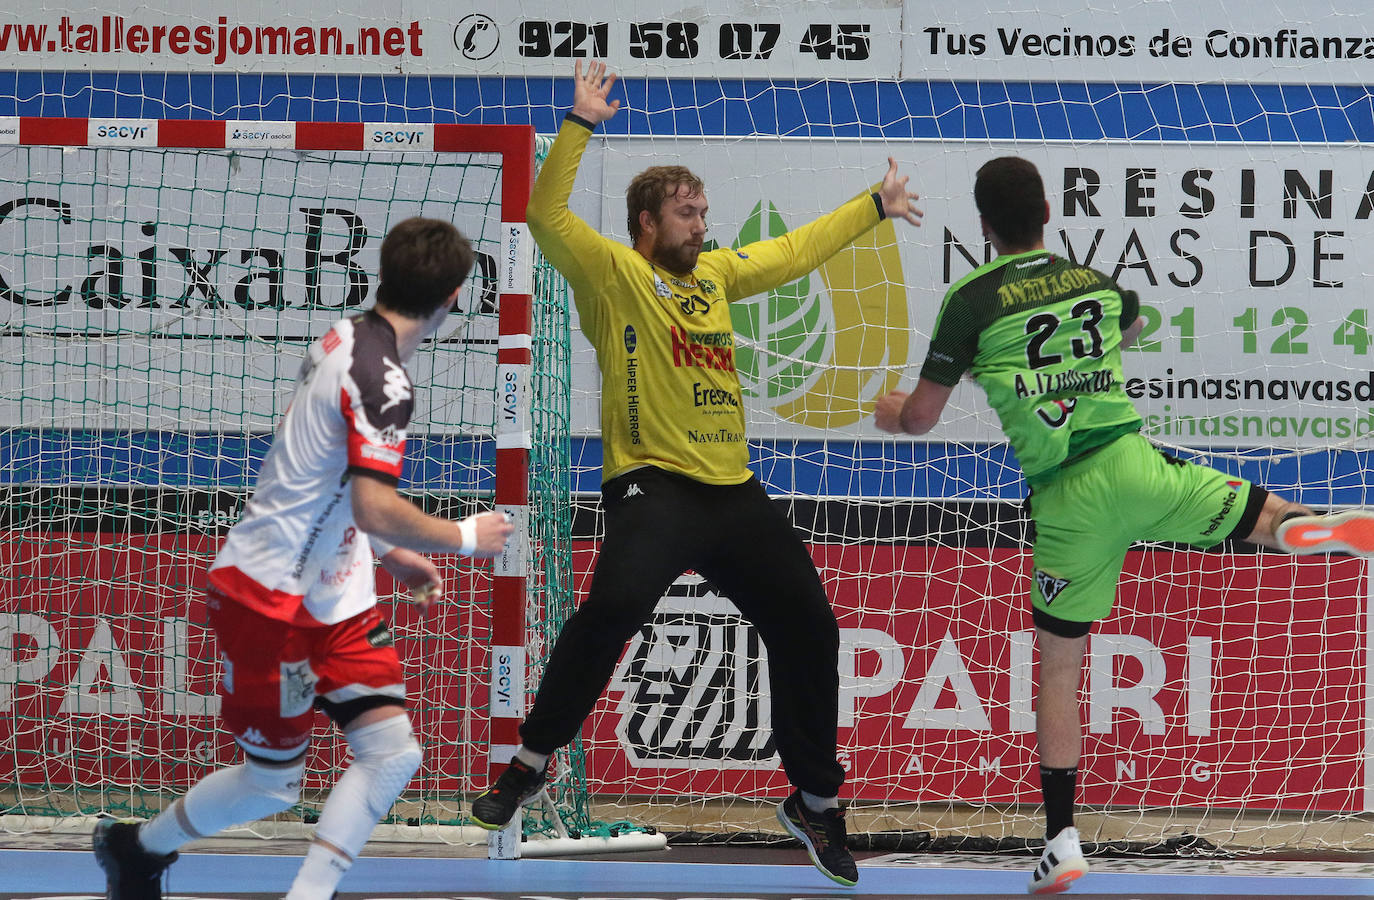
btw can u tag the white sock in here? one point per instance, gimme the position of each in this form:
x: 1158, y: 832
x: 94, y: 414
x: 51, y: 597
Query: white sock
x: 319, y: 874
x: 166, y: 831
x: 535, y: 761
x: 819, y: 804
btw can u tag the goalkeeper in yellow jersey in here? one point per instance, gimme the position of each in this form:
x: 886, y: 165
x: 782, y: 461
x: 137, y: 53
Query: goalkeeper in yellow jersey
x: 676, y: 487
x: 1043, y: 336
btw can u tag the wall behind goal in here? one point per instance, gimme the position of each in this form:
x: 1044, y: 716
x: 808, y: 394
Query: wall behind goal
x: 1191, y: 206
x: 1220, y: 169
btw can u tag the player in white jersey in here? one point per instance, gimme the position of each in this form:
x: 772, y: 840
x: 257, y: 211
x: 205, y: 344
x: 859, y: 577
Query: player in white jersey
x: 292, y: 593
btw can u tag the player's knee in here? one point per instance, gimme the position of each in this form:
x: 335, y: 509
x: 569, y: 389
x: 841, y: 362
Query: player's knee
x: 402, y: 756
x: 279, y: 782
x: 390, y: 753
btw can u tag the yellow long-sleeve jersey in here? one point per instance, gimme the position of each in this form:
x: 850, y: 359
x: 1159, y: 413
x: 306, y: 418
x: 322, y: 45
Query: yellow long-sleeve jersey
x: 664, y: 341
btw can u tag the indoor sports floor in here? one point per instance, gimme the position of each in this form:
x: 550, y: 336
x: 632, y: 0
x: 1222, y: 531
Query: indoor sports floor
x: 248, y: 868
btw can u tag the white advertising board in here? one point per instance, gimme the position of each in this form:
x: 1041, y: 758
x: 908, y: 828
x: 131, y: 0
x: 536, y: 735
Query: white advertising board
x: 1265, y: 41
x: 153, y: 287
x: 1247, y: 260
x: 714, y: 39
x: 1300, y: 41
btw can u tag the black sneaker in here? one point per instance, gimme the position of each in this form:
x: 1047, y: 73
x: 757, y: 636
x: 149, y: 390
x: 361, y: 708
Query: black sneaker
x: 496, y: 806
x: 131, y: 873
x: 824, y: 837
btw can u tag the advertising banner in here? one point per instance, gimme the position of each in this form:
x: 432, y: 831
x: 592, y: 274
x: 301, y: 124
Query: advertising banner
x: 1218, y: 681
x: 1209, y: 686
x: 163, y: 283
x: 716, y: 39
x: 1303, y: 42
x: 1245, y: 258
x: 112, y: 679
x: 1269, y: 42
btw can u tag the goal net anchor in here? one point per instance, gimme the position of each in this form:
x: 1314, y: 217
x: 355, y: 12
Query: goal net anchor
x: 507, y: 842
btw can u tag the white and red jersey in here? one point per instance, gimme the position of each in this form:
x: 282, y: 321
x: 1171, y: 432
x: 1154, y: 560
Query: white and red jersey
x: 297, y: 555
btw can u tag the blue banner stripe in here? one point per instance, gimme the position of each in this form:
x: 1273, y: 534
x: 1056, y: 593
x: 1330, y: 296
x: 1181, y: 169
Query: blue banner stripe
x: 869, y: 469
x: 954, y: 110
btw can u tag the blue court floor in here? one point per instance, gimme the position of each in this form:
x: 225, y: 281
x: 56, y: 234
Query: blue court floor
x: 73, y: 875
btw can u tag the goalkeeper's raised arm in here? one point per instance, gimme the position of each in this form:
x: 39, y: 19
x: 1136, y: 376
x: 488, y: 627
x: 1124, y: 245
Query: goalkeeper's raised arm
x: 574, y: 248
x: 666, y: 216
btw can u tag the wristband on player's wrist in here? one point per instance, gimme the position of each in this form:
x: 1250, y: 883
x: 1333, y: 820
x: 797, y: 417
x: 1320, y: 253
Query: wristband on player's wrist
x: 468, y: 529
x: 580, y: 120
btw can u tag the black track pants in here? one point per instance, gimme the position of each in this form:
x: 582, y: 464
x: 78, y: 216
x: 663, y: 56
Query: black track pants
x: 658, y: 525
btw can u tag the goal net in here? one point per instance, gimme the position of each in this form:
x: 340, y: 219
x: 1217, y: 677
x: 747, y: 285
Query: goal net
x: 1218, y: 164
x: 158, y: 296
x: 1224, y: 700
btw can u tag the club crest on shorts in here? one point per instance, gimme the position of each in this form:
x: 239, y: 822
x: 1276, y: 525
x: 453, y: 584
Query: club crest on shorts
x: 1050, y: 587
x: 297, y: 688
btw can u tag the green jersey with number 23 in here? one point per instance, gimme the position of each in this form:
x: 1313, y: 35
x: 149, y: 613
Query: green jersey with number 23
x: 1042, y: 335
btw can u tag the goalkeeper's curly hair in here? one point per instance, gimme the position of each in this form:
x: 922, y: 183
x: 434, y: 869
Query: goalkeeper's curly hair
x: 650, y: 188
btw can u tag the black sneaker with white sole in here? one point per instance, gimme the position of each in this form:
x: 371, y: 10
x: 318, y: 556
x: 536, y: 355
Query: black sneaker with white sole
x: 497, y: 805
x: 824, y: 836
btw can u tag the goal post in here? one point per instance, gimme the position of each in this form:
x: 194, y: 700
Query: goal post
x: 161, y: 279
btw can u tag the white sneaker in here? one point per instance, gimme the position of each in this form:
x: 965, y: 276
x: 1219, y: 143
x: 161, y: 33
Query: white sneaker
x: 1061, y: 864
x: 1351, y: 531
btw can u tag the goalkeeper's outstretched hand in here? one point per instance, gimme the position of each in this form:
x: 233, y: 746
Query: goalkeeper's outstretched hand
x: 590, y: 91
x: 897, y: 200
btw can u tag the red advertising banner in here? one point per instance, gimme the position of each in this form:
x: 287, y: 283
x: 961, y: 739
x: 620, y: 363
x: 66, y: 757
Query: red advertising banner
x: 1219, y: 680
x: 108, y: 672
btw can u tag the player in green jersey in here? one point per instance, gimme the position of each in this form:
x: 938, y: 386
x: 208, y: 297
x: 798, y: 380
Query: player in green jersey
x: 1043, y: 336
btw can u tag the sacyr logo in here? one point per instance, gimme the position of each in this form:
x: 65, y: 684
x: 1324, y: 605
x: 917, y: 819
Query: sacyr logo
x: 821, y: 350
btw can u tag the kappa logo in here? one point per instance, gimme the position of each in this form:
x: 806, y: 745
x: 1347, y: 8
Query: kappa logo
x: 632, y: 491
x: 1050, y: 587
x: 253, y: 736
x: 396, y: 385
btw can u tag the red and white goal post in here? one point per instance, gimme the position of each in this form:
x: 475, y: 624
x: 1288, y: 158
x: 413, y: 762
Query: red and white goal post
x: 161, y: 280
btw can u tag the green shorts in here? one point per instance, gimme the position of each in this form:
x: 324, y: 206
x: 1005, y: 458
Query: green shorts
x: 1088, y: 515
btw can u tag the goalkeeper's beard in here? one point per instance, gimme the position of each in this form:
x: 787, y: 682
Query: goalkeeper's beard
x: 680, y: 257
